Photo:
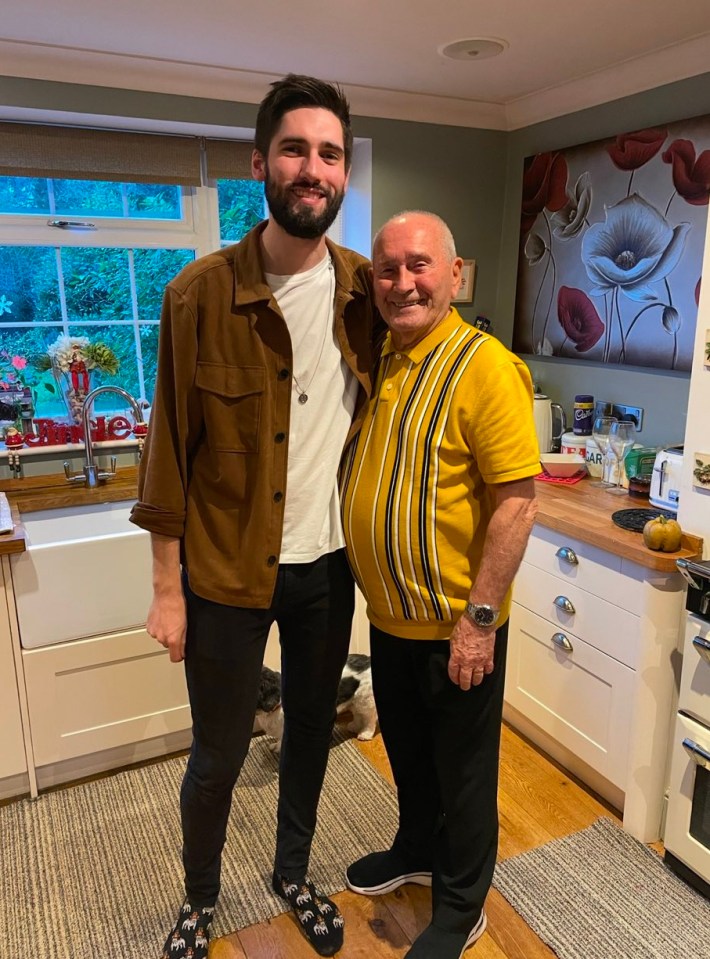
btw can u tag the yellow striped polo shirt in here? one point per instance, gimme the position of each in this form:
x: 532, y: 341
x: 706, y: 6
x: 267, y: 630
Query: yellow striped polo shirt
x: 448, y: 416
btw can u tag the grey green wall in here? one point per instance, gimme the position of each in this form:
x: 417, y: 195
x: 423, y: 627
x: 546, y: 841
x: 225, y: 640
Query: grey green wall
x: 472, y: 178
x: 664, y: 396
x: 456, y: 172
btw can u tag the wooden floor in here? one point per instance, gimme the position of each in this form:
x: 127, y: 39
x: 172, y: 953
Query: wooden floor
x: 537, y: 802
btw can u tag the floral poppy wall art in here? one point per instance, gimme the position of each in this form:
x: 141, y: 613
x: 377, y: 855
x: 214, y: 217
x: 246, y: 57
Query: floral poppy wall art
x: 611, y: 248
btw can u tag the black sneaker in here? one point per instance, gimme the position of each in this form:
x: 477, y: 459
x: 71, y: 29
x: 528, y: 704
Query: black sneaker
x: 445, y: 945
x: 381, y: 872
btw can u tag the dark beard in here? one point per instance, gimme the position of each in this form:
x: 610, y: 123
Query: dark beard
x: 305, y: 224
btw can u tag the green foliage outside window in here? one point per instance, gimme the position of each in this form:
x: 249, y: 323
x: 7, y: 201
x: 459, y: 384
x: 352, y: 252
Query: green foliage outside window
x: 107, y: 293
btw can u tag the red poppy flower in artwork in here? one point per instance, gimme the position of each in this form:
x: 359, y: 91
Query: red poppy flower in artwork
x: 544, y: 185
x: 631, y: 150
x: 578, y: 318
x: 691, y: 176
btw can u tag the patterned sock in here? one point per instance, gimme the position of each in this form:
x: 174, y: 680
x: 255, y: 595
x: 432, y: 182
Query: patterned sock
x: 190, y: 936
x: 319, y: 918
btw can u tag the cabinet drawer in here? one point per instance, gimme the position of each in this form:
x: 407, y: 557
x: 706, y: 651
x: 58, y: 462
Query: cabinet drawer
x: 597, y: 571
x: 608, y: 628
x: 99, y: 693
x: 582, y: 698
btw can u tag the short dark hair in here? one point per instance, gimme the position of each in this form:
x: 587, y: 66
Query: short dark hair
x: 294, y: 91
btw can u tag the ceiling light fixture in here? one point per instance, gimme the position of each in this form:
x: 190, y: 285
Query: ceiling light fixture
x: 476, y: 48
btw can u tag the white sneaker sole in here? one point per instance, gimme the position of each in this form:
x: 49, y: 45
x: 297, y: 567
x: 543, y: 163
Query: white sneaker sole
x: 476, y: 933
x: 418, y: 878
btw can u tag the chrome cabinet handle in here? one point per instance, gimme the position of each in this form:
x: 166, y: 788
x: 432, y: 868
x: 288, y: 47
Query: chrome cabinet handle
x: 559, y: 639
x: 567, y: 555
x: 697, y: 753
x: 702, y: 646
x: 561, y: 602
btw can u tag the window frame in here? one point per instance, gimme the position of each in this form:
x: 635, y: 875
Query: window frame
x: 198, y: 229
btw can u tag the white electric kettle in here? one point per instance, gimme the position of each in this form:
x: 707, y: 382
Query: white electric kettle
x: 548, y: 431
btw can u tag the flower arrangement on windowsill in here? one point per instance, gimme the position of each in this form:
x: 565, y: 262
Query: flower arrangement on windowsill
x: 16, y: 395
x: 71, y: 360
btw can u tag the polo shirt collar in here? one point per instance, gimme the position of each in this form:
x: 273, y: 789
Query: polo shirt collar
x: 424, y: 347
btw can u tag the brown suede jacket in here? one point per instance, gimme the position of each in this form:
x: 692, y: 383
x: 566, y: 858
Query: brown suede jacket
x: 213, y: 473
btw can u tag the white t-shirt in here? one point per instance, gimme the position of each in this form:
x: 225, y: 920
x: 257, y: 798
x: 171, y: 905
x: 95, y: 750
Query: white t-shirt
x: 312, y: 525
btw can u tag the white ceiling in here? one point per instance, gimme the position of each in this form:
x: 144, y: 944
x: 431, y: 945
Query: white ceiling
x: 562, y: 55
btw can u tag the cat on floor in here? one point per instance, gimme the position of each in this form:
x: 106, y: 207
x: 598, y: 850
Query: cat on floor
x: 354, y: 694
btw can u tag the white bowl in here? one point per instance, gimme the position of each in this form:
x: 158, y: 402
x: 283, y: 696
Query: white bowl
x: 562, y: 464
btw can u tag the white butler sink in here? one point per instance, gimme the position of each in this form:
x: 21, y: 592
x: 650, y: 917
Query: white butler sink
x: 86, y: 572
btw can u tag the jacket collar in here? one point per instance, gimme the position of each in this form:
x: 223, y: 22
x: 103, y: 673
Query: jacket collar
x: 250, y: 285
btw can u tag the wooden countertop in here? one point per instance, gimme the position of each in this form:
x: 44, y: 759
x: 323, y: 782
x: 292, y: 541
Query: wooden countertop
x: 584, y: 511
x: 52, y: 491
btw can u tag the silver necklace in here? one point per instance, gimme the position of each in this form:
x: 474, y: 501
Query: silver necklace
x: 303, y: 390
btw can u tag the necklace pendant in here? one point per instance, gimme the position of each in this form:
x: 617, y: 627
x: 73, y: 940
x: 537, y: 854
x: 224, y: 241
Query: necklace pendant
x: 303, y: 398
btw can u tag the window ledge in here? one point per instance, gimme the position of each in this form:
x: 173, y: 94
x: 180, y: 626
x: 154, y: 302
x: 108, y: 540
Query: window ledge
x: 67, y: 448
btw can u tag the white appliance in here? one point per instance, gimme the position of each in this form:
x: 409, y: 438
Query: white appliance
x: 687, y: 832
x: 550, y: 422
x: 666, y: 477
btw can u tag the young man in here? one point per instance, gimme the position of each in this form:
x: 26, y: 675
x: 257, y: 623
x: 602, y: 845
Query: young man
x: 263, y: 376
x: 438, y: 504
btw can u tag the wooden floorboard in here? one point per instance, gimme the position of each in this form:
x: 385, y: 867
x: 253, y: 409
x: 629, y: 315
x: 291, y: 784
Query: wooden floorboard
x: 538, y: 801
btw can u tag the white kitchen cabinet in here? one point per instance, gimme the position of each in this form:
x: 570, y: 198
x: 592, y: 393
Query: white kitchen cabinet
x: 13, y: 760
x: 95, y: 695
x: 590, y: 672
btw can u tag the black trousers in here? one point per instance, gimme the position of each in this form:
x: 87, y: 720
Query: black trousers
x: 443, y: 745
x: 313, y: 606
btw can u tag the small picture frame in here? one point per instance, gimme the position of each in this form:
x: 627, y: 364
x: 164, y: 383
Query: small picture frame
x: 468, y: 278
x: 701, y: 471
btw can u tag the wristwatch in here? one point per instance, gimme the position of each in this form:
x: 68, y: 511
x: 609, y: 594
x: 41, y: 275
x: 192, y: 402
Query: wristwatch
x: 482, y: 614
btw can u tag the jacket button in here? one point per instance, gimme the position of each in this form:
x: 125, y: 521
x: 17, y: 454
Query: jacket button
x: 278, y: 497
x: 271, y: 561
x: 280, y: 437
x: 284, y: 374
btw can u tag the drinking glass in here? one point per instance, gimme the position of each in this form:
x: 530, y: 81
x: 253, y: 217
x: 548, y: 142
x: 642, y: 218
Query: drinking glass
x: 621, y: 438
x: 600, y: 432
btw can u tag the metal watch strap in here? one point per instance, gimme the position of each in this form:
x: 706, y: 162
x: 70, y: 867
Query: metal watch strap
x: 482, y: 614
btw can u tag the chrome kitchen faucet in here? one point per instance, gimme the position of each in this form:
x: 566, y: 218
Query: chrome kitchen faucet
x: 91, y: 475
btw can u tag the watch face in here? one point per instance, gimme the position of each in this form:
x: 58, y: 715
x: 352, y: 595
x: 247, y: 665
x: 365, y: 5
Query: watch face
x: 483, y: 615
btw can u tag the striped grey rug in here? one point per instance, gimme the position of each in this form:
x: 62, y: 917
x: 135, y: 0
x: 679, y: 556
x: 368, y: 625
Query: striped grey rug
x: 94, y: 871
x: 601, y: 894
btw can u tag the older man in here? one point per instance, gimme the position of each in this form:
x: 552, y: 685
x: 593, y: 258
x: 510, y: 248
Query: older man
x: 438, y: 503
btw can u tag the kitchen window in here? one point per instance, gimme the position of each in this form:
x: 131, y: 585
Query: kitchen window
x: 87, y: 247
x: 92, y: 257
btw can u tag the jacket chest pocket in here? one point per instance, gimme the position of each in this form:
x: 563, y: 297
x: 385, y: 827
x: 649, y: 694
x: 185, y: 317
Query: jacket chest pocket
x: 232, y: 398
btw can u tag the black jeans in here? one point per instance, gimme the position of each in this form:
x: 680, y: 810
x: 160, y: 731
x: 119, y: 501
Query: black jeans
x: 313, y: 606
x: 443, y: 745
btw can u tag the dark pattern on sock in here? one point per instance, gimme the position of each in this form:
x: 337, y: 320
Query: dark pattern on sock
x: 190, y: 936
x: 319, y: 918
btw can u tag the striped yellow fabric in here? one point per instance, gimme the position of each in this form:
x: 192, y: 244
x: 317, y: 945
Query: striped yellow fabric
x: 447, y: 417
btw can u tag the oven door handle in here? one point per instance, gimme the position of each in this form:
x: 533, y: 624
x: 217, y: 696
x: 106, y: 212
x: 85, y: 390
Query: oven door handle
x: 702, y: 646
x: 697, y: 753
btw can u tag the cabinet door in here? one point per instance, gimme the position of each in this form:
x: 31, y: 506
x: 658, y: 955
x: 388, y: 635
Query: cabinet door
x: 13, y: 761
x: 100, y: 693
x: 580, y: 696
